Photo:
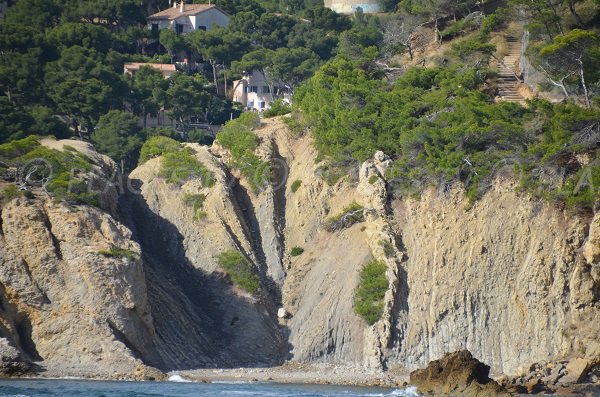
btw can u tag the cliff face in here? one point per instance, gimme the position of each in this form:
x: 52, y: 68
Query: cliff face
x: 511, y: 279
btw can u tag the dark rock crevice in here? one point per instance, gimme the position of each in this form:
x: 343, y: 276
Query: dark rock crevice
x: 193, y: 311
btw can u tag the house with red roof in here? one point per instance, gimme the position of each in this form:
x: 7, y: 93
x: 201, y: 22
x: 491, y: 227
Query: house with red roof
x: 184, y: 18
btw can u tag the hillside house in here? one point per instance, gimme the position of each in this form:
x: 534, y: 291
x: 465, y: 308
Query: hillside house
x: 255, y: 92
x: 351, y: 6
x: 185, y: 18
x: 167, y: 70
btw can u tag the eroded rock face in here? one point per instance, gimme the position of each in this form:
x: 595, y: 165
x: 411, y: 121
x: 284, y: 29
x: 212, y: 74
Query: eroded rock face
x: 12, y: 361
x: 511, y: 279
x: 65, y: 305
x: 456, y: 374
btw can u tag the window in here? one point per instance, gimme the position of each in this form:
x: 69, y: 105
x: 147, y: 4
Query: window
x: 251, y: 88
x: 154, y: 27
x: 266, y: 89
x: 179, y: 28
x: 262, y: 104
x: 202, y: 28
x: 250, y: 104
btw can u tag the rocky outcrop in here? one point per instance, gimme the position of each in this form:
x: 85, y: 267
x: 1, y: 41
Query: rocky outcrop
x: 456, y: 374
x: 65, y: 305
x: 12, y: 361
x: 511, y: 288
x: 511, y: 279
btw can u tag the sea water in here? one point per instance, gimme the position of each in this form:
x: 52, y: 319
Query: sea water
x: 68, y: 388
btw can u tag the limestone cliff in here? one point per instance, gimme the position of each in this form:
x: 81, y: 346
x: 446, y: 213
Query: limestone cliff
x: 511, y: 279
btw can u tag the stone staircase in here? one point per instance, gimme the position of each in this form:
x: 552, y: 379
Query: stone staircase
x: 507, y: 82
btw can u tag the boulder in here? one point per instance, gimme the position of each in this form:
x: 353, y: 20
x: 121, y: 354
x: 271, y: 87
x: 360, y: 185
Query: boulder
x: 456, y: 374
x: 282, y: 313
x: 12, y: 362
x: 535, y: 386
x: 576, y: 370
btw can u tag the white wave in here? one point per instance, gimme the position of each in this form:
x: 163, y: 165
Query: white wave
x: 408, y: 392
x: 178, y: 378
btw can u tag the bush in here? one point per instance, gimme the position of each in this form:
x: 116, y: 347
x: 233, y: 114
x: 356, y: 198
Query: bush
x: 238, y: 138
x: 10, y: 192
x: 196, y: 202
x: 63, y: 173
x: 388, y: 248
x: 296, y: 185
x: 116, y: 252
x: 295, y: 123
x: 368, y: 300
x: 240, y: 270
x: 179, y: 167
x: 353, y: 213
x: 278, y: 108
x: 157, y: 146
x: 297, y: 251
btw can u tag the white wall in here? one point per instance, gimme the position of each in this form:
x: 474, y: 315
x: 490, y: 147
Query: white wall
x: 253, y: 100
x: 350, y: 6
x: 210, y: 19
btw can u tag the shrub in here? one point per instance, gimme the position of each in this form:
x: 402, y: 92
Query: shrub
x: 353, y: 213
x: 240, y: 270
x: 238, y: 138
x: 297, y: 251
x: 278, y: 108
x: 181, y: 166
x: 157, y: 146
x: 296, y: 185
x: 373, y: 179
x: 295, y: 123
x: 116, y: 252
x: 10, y: 192
x: 63, y: 173
x: 196, y: 201
x: 388, y: 248
x: 368, y: 300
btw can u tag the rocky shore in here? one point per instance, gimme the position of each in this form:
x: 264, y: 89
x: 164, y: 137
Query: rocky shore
x: 455, y: 374
x: 300, y: 373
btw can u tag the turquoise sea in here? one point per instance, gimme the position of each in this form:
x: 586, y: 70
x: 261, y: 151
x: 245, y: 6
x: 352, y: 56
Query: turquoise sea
x: 68, y: 388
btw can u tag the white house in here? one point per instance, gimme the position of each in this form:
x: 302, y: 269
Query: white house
x: 167, y: 70
x: 255, y: 92
x: 184, y: 18
x: 351, y: 6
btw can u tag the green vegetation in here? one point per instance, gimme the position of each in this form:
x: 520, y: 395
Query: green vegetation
x: 296, y: 251
x: 240, y: 270
x: 118, y: 136
x: 296, y: 185
x: 10, y: 192
x: 278, y: 108
x: 368, y: 300
x: 63, y: 174
x: 441, y: 125
x: 179, y: 167
x: 353, y: 213
x: 388, y: 248
x: 157, y: 146
x: 196, y: 202
x: 238, y: 138
x: 295, y: 123
x: 116, y: 252
x: 178, y: 164
x: 373, y: 179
